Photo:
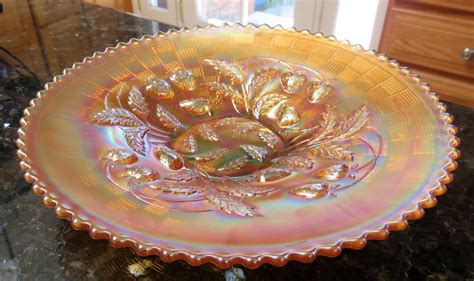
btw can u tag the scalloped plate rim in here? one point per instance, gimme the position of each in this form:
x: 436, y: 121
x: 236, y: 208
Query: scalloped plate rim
x: 423, y: 200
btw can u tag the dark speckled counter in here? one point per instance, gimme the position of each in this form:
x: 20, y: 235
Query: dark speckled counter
x: 43, y: 37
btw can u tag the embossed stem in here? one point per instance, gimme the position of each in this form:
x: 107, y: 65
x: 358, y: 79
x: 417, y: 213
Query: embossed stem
x: 246, y: 101
x: 370, y: 164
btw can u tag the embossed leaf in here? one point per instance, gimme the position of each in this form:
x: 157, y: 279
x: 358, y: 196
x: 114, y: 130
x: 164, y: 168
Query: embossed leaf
x: 260, y: 79
x: 182, y: 175
x: 266, y: 102
x: 178, y: 189
x: 247, y: 190
x: 167, y: 119
x: 234, y: 164
x: 219, y: 90
x: 231, y: 205
x: 136, y: 139
x: 207, y: 133
x: 230, y: 121
x: 211, y: 155
x: 244, y: 128
x: 227, y: 69
x: 268, y: 138
x: 136, y: 100
x: 190, y: 144
x: 311, y: 191
x: 256, y: 152
x: 333, y: 151
x: 297, y: 162
x: 116, y: 116
x: 355, y: 122
x: 327, y: 126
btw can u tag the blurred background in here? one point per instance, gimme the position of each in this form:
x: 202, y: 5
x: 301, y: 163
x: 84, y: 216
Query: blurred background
x: 434, y: 38
x: 357, y: 21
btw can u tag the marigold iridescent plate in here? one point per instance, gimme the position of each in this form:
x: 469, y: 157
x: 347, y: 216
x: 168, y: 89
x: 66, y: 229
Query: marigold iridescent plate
x: 238, y: 145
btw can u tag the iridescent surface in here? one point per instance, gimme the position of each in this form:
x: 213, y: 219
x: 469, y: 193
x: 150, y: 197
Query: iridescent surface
x: 67, y: 152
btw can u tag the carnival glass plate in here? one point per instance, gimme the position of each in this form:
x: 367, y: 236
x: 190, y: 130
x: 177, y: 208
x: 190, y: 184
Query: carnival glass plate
x: 237, y: 145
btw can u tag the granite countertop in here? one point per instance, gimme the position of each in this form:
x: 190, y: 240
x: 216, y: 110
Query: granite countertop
x: 40, y: 38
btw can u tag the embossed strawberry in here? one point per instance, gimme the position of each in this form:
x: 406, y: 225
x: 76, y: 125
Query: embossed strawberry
x: 292, y: 82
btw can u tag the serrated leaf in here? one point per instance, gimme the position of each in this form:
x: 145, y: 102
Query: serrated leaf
x: 135, y: 138
x: 167, y: 119
x: 234, y: 164
x: 182, y: 175
x: 266, y: 102
x: 116, y: 116
x: 207, y: 133
x: 178, y: 189
x: 190, y: 144
x: 332, y: 151
x: 246, y: 190
x: 268, y: 138
x: 327, y: 126
x: 354, y: 123
x: 256, y: 152
x: 244, y: 128
x: 136, y: 101
x: 211, y: 155
x: 296, y: 161
x: 231, y: 205
x: 230, y: 121
x: 260, y: 79
x: 227, y: 69
x: 219, y: 90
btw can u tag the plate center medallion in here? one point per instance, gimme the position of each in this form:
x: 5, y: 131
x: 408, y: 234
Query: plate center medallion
x: 231, y: 146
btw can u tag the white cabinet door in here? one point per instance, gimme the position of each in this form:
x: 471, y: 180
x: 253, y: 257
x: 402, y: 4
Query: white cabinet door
x: 165, y: 11
x: 288, y: 13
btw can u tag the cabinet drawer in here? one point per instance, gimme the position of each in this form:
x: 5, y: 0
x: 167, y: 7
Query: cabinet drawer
x: 447, y: 87
x: 430, y: 39
x: 462, y: 5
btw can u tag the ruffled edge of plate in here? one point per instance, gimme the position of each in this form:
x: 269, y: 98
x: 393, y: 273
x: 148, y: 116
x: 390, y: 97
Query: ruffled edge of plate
x: 424, y: 200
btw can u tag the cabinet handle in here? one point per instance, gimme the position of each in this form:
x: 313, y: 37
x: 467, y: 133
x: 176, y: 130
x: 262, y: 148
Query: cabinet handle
x: 467, y: 54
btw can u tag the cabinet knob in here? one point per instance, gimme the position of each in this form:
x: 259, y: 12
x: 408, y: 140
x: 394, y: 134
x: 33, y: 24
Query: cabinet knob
x: 467, y: 54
